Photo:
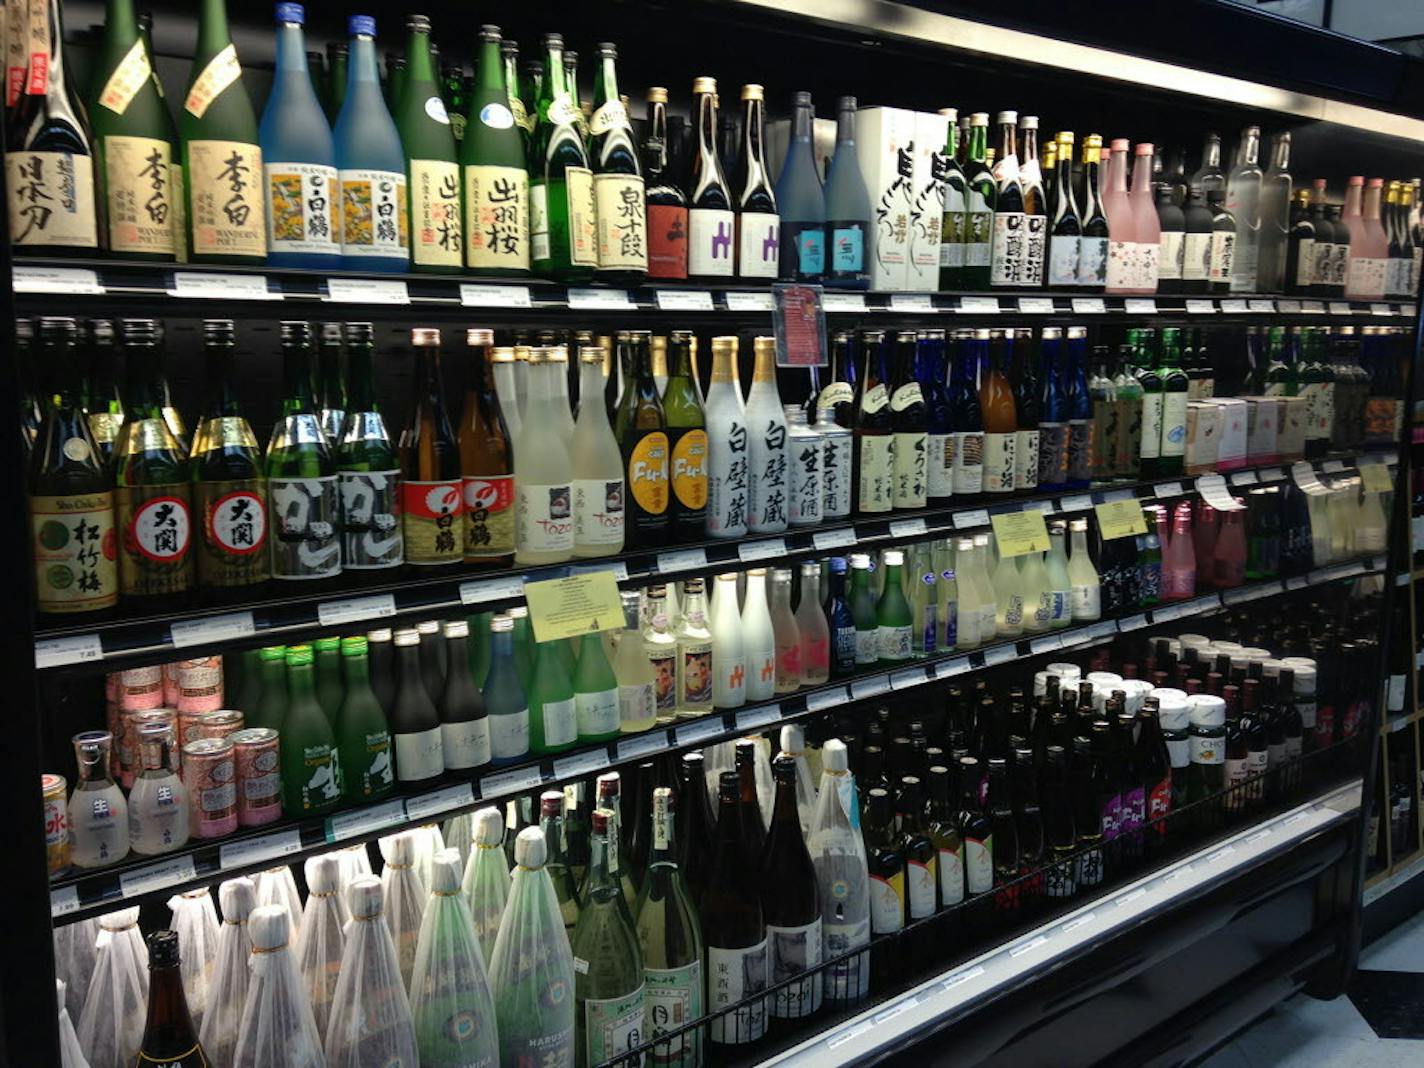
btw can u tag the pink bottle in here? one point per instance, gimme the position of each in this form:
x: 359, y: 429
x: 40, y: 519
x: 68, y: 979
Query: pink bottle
x: 1147, y: 229
x: 1378, y: 240
x: 1122, y: 229
x: 1365, y: 270
x: 1229, y: 566
x: 1204, y: 541
x: 1179, y: 564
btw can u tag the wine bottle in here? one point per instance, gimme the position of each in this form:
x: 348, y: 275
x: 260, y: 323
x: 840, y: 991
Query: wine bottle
x: 982, y: 203
x: 432, y: 168
x: 1172, y: 224
x: 504, y: 696
x: 1093, y: 246
x: 363, y: 737
x: 599, y: 487
x: 492, y: 165
x: 1066, y: 229
x: 414, y: 721
x: 1147, y: 230
x: 1035, y: 206
x: 802, y: 201
x: 790, y: 903
x: 847, y: 207
x: 562, y: 213
x: 330, y: 387
x: 733, y: 927
x: 169, y: 1037
x: 618, y: 184
x: 432, y: 492
x: 875, y: 444
x: 1243, y: 201
x: 99, y: 391
x: 464, y: 719
x: 367, y: 469
x: 1275, y: 200
x: 1010, y: 235
x: 310, y: 763
x: 1078, y: 403
x: 1000, y: 418
x: 486, y: 461
x: 909, y: 422
x: 932, y: 373
x: 711, y: 224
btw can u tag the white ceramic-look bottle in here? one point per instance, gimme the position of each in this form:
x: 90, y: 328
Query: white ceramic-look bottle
x: 767, y: 450
x: 1008, y: 598
x: 1083, y: 577
x: 1061, y: 613
x: 728, y: 470
x: 543, y: 474
x: 758, y: 639
x: 729, y: 665
x: 599, y: 489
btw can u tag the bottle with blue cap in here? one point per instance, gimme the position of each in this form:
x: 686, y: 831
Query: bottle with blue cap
x: 375, y: 220
x: 298, y: 158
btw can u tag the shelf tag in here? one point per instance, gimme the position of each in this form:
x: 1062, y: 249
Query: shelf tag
x: 1129, y: 898
x: 63, y: 901
x: 204, y: 286
x: 1000, y: 654
x: 1036, y: 305
x: 1079, y: 502
x: 491, y: 589
x: 906, y: 528
x: 1168, y: 489
x: 815, y: 702
x: 66, y: 281
x: 1020, y: 533
x: 708, y: 727
x: 581, y: 764
x: 78, y: 649
x: 765, y: 549
x: 366, y: 291
x: 1045, y: 644
x: 911, y: 302
x: 655, y: 741
x: 364, y: 820
x: 1304, y: 476
x: 960, y: 978
x: 503, y: 783
x: 1029, y: 946
x: 224, y: 628
x: 259, y: 850
x: 1140, y: 306
x: 977, y: 518
x: 1078, y: 921
x: 1381, y: 309
x: 1120, y: 519
x: 684, y: 299
x: 1376, y: 478
x: 1244, y: 478
x: 574, y: 606
x: 1272, y: 474
x: 1333, y: 467
x: 948, y: 668
x: 355, y: 609
x: 1212, y: 489
x: 908, y: 678
x: 871, y: 687
x: 1340, y: 307
x: 1288, y: 307
x: 1312, y: 307
x: 1132, y: 623
x: 682, y: 560
x: 589, y: 299
x: 979, y: 305
x: 477, y: 295
x: 839, y: 538
x: 751, y: 718
x: 1266, y: 307
x: 1201, y: 307
x: 751, y: 302
x: 1233, y: 307
x: 156, y: 877
x: 438, y: 801
x: 843, y: 302
x: 1089, y: 306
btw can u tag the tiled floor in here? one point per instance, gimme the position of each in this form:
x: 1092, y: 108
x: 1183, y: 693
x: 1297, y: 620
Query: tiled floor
x: 1362, y: 1030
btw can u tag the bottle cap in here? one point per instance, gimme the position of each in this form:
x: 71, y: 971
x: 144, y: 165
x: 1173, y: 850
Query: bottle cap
x: 1029, y: 122
x: 657, y: 94
x: 215, y: 331
x: 354, y: 646
x: 406, y: 637
x: 755, y: 92
x: 425, y: 336
x: 445, y: 872
x: 457, y: 628
x: 361, y: 26
x: 1206, y: 710
x: 292, y: 14
x: 590, y: 354
x: 530, y: 849
x: 238, y: 897
x: 952, y: 114
x: 1009, y: 117
x: 323, y: 875
x: 488, y: 828
x: 328, y: 643
x: 518, y: 611
x: 297, y: 655
x: 269, y: 928
x: 428, y: 626
x: 838, y: 565
x: 894, y: 557
x: 119, y: 919
x: 793, y: 739
x: 479, y: 335
x: 860, y: 560
x: 704, y: 85
x: 163, y: 946
x: 364, y: 897
x: 551, y: 802
x: 979, y: 118
x: 1143, y: 149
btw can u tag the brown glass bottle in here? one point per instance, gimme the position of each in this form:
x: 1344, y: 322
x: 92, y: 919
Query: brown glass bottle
x: 486, y: 462
x: 431, y: 489
x: 790, y: 902
x: 169, y: 1037
x: 732, y: 926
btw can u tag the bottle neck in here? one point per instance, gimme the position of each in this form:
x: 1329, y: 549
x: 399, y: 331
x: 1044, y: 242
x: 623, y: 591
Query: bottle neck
x: 978, y: 143
x: 554, y: 86
x: 418, y: 65
x: 301, y: 680
x: 605, y: 83
x: 845, y: 130
x: 169, y: 1021
x: 222, y: 399
x: 120, y: 25
x: 706, y: 125
x: 296, y: 378
x: 357, y: 671
x: 140, y: 398
x: 213, y: 35
x: 1142, y: 175
x: 361, y: 71
x: 291, y: 51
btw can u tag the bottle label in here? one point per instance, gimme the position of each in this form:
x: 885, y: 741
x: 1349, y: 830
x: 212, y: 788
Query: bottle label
x: 430, y: 518
x: 301, y: 208
x: 1305, y: 262
x: 835, y: 473
x: 887, y: 903
x: 437, y: 230
x: 979, y: 865
x: 1196, y: 257
x: 939, y: 466
x: 582, y: 216
x: 805, y: 453
x: 667, y: 241
x: 1148, y: 266
x: 613, y: 1026
x: 543, y: 515
x: 497, y: 210
x: 233, y: 551
x: 419, y: 755
x: 758, y: 245
x: 894, y: 643
x: 1122, y: 258
x: 767, y: 461
x: 1133, y: 811
x: 373, y: 214
x: 1364, y: 277
x: 709, y: 242
x: 622, y: 222
x: 598, y: 513
x: 139, y: 193
x: 1171, y: 250
x: 1009, y: 248
x: 695, y: 674
x: 727, y: 481
x: 805, y: 245
x: 664, y: 663
x: 637, y: 704
x: 732, y: 975
x: 560, y: 720
x: 951, y: 235
x: 489, y: 516
x: 848, y: 249
x: 1035, y: 227
x: 920, y: 888
x: 1080, y: 447
x: 673, y: 997
x: 131, y: 75
x: 509, y: 734
x: 371, y: 532
x: 877, y: 473
x: 156, y: 532
x: 1086, y: 604
x: 647, y: 471
x: 466, y: 744
x: 905, y: 396
x: 1092, y: 261
x: 875, y: 399
x: 999, y: 462
x: 979, y: 229
x: 793, y: 951
x: 51, y: 199
x: 1151, y: 425
x: 1026, y: 459
x: 1063, y: 260
x: 968, y: 462
x: 1174, y: 424
x: 226, y: 209
x: 867, y: 646
x: 76, y: 552
x: 1207, y: 749
x: 306, y: 516
x: 689, y: 469
x: 951, y: 876
x: 597, y: 713
x: 1222, y: 256
x: 910, y: 466
x: 222, y: 70
x: 1053, y: 454
x: 539, y: 220
x: 1322, y: 268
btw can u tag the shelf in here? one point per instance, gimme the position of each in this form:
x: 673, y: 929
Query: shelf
x: 159, y: 288
x: 200, y: 630
x: 82, y: 894
x: 1385, y: 880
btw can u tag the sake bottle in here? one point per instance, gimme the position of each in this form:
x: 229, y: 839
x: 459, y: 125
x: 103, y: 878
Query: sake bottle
x: 553, y: 720
x: 415, y: 723
x: 758, y: 638
x: 660, y: 649
x: 841, y: 622
x: 874, y: 483
x: 767, y: 452
x: 687, y: 441
x: 694, y: 654
x: 812, y: 628
x: 599, y: 487
x: 970, y: 596
x: 596, y: 693
x: 786, y: 633
x: 562, y: 213
x: 618, y: 190
x: 98, y: 813
x: 431, y: 162
x: 486, y: 460
x: 330, y: 385
x: 464, y: 720
x: 504, y: 696
x: 801, y: 201
x: 298, y: 159
x: 909, y: 420
x: 728, y: 472
x: 893, y: 622
x: 1083, y: 576
x: 367, y: 469
x: 924, y: 608
x: 310, y: 762
x: 862, y: 608
x: 363, y: 737
x: 946, y: 596
x: 1008, y: 598
x: 432, y: 491
x: 1037, y: 593
x: 1061, y: 588
x: 222, y: 160
x: 493, y: 177
x: 641, y: 429
x: 637, y: 687
x: 729, y: 664
x: 543, y: 475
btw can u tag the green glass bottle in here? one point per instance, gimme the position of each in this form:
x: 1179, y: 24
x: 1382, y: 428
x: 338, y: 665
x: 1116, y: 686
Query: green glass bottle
x: 562, y: 216
x: 551, y: 822
x: 1175, y: 384
x: 431, y: 158
x: 523, y: 118
x: 524, y: 650
x: 862, y: 612
x: 452, y: 94
x: 367, y: 468
x: 222, y: 163
x: 1281, y: 378
x: 493, y: 176
x: 1150, y: 379
x: 553, y: 723
x: 101, y: 399
x: 687, y: 440
x: 135, y: 162
x: 617, y: 181
x: 479, y: 646
x: 329, y: 689
x: 311, y: 769
x: 608, y: 966
x: 595, y: 692
x: 893, y: 619
x: 363, y: 737
x: 270, y: 707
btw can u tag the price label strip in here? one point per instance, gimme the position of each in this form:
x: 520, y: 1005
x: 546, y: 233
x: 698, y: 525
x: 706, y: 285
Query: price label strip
x: 355, y: 609
x: 1089, y: 306
x: 486, y: 296
x: 66, y: 281
x: 765, y: 549
x: 839, y: 538
x: 911, y: 302
x: 642, y: 745
x: 204, y: 286
x: 979, y: 517
x: 682, y: 560
x: 749, y: 302
x: 491, y: 589
x: 436, y: 802
x: 366, y: 291
x: 600, y: 300
x: 1020, y: 533
x: 1120, y: 519
x: 684, y: 300
x: 581, y: 764
x: 1212, y: 489
x: 224, y: 628
x: 1303, y: 474
x: 156, y: 877
x: 364, y: 821
x: 60, y: 652
x: 504, y: 783
x: 256, y: 851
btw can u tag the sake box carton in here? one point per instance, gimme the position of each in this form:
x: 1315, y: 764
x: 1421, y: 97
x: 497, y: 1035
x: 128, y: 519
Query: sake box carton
x: 1263, y: 416
x: 927, y: 205
x: 1231, y: 432
x: 1290, y: 432
x: 1202, y: 429
x: 885, y: 146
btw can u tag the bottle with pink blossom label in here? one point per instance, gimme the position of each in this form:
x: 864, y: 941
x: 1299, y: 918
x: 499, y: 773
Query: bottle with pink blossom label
x: 815, y: 631
x: 1229, y: 555
x: 1122, y: 226
x: 1179, y: 565
x: 1147, y: 230
x: 787, y: 633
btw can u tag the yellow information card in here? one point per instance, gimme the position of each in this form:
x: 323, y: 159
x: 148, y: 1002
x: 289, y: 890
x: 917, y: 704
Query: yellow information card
x: 1376, y: 478
x: 574, y: 606
x: 1020, y: 533
x: 1121, y: 519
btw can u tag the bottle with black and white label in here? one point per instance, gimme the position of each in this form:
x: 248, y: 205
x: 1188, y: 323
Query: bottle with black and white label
x: 1009, y: 243
x: 415, y: 722
x: 1172, y: 242
x: 733, y: 926
x: 790, y: 902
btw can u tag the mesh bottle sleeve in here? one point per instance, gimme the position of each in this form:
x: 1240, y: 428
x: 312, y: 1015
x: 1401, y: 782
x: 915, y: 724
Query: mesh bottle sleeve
x: 459, y: 832
x: 370, y: 1024
x: 231, y: 973
x: 70, y: 1053
x: 277, y: 1028
x: 277, y: 886
x: 404, y: 895
x: 195, y: 921
x: 74, y: 954
x: 111, y: 1027
x: 323, y: 935
x: 428, y: 841
x: 355, y: 860
x: 486, y: 883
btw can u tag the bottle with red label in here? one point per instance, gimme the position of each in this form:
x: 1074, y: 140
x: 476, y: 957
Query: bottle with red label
x: 152, y: 502
x: 229, y: 489
x: 641, y: 429
x: 1154, y: 768
x: 666, y: 204
x: 432, y: 490
x: 486, y: 461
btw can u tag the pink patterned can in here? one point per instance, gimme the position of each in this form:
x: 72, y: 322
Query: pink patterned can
x: 200, y: 684
x: 170, y: 683
x: 218, y: 724
x: 130, y: 755
x: 259, y: 777
x: 141, y: 688
x: 210, y: 774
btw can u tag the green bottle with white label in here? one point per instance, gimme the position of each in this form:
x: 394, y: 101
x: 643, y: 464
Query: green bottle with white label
x: 562, y: 217
x: 553, y: 722
x: 431, y: 160
x: 492, y: 174
x: 894, y: 622
x: 595, y: 692
x: 363, y: 737
x: 311, y: 767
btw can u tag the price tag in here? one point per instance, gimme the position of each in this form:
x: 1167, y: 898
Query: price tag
x: 906, y: 528
x: 1000, y: 654
x: 418, y: 809
x: 1045, y: 507
x: 1079, y: 502
x: 1168, y: 489
x: 960, y: 978
x: 1272, y: 474
x: 1220, y: 855
x: 1312, y: 307
x: 1089, y: 306
x: 977, y: 518
x: 474, y: 295
x: 1116, y: 495
x: 204, y: 286
x: 1233, y: 307
x: 1079, y: 921
x: 910, y: 677
x: 1132, y: 623
x: 58, y: 652
x: 833, y: 539
x: 871, y: 687
x: 1129, y: 898
x: 901, y: 1006
x: 684, y: 299
x: 366, y: 291
x: 1250, y: 593
x: 682, y: 560
x: 580, y: 764
x: 1177, y: 873
x: 1120, y: 519
x: 1101, y: 630
x: 1212, y: 489
x: 1376, y: 478
x: 1201, y: 307
x: 766, y: 549
x: 1140, y: 306
x: 600, y: 300
x: 1029, y: 946
x: 1020, y: 533
x: 1288, y: 307
x: 1244, y: 478
x: 1045, y: 644
x: 66, y: 281
x: 979, y: 305
x: 364, y: 821
x: 156, y: 877
x: 821, y: 699
x: 1381, y: 309
x: 751, y: 718
x: 504, y: 783
x: 911, y: 302
x: 1296, y: 582
x: 64, y: 901
x: 691, y: 733
x: 1304, y: 476
x: 1266, y: 307
x: 617, y: 568
x: 1331, y: 467
x: 355, y: 609
x: 492, y: 589
x: 1340, y: 307
x: 1202, y: 605
x: 947, y: 668
x: 642, y: 745
x: 840, y: 1038
x: 261, y: 850
x: 843, y: 302
x: 1036, y: 305
x: 1166, y: 613
x: 574, y: 606
x: 222, y: 628
x: 751, y: 302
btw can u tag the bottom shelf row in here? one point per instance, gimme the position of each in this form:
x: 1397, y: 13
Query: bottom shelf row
x: 640, y: 921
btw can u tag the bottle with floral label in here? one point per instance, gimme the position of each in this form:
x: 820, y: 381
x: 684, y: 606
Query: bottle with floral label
x: 660, y: 649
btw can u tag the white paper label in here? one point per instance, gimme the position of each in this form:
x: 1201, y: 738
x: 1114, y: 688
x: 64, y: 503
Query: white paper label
x: 189, y: 284
x: 489, y: 296
x: 78, y: 649
x: 355, y: 609
x: 256, y: 851
x: 222, y: 628
x: 366, y: 291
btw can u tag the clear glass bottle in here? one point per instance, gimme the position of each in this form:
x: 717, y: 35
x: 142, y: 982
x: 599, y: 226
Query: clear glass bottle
x: 812, y: 628
x: 693, y: 654
x: 97, y: 813
x: 544, y: 473
x: 1009, y: 602
x: 785, y: 632
x: 660, y: 649
x: 1083, y: 576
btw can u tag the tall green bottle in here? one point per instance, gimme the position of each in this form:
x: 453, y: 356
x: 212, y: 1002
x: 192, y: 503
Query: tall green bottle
x: 270, y: 707
x: 595, y: 692
x: 222, y: 163
x: 862, y: 612
x: 553, y: 722
x: 687, y: 440
x: 329, y: 688
x: 367, y: 468
x: 893, y: 619
x: 492, y: 168
x: 608, y: 966
x: 431, y: 159
x: 617, y: 181
x: 562, y: 215
x: 1175, y: 384
x: 136, y: 167
x: 311, y: 769
x: 363, y: 738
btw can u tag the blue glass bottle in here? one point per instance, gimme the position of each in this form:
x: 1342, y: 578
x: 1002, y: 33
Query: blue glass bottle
x: 801, y: 202
x: 842, y: 623
x: 298, y: 159
x: 847, y: 209
x: 966, y: 416
x: 505, y: 700
x: 1079, y: 404
x: 375, y: 227
x: 932, y: 374
x: 1052, y: 414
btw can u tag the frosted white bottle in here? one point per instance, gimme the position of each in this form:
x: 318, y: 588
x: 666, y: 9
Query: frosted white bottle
x: 158, y: 802
x: 505, y: 389
x: 543, y: 474
x: 1370, y: 524
x: 1057, y: 564
x: 98, y: 814
x: 758, y: 639
x: 729, y: 664
x: 1083, y: 577
x: 563, y: 406
x: 599, y: 491
x: 970, y: 597
x: 637, y: 687
x: 837, y: 850
x: 988, y: 603
x: 728, y: 440
x: 768, y: 460
x: 946, y: 597
x: 1037, y: 593
x: 1008, y: 599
